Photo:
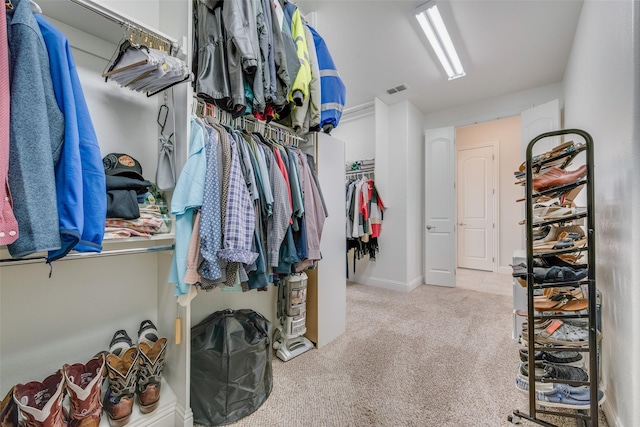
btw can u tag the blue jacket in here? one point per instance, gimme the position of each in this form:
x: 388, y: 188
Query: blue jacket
x: 36, y: 137
x: 333, y: 90
x: 80, y: 179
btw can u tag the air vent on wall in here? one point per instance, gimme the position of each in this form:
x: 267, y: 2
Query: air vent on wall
x: 397, y: 89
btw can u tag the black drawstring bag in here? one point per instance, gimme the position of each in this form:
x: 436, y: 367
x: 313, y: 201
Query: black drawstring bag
x: 230, y: 366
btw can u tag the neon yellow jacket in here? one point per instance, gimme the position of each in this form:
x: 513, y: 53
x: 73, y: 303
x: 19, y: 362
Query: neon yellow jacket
x: 300, y: 88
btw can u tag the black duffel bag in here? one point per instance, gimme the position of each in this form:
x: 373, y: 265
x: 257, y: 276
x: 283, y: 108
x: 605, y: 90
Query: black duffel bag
x: 230, y: 366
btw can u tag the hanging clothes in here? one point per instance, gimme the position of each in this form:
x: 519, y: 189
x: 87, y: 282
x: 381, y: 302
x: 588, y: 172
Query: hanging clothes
x: 365, y: 210
x: 334, y: 93
x: 8, y: 222
x: 187, y: 196
x: 36, y: 135
x: 80, y: 178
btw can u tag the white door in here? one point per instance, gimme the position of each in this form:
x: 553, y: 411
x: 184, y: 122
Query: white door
x: 540, y: 119
x: 476, y: 208
x: 440, y: 253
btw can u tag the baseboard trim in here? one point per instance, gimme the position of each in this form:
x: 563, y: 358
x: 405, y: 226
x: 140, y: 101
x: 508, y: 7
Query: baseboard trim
x: 182, y: 417
x: 393, y: 285
x: 415, y: 283
x: 610, y: 414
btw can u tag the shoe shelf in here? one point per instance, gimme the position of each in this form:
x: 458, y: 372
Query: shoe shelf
x: 560, y: 252
x: 574, y: 284
x: 568, y: 218
x: 557, y: 330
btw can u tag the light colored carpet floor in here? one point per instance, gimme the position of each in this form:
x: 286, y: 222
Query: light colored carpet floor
x: 433, y: 357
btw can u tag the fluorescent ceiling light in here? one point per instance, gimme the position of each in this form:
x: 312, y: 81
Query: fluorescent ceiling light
x: 433, y: 26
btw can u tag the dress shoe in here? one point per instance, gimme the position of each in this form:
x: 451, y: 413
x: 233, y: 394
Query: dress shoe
x: 556, y: 177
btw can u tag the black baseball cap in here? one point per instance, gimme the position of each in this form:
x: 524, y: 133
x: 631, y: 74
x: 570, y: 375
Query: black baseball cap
x: 120, y: 164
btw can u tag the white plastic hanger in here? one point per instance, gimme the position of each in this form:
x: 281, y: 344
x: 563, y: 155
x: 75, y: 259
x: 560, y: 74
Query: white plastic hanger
x: 35, y: 8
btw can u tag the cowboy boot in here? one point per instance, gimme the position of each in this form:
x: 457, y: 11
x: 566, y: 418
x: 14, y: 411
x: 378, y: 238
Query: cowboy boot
x: 152, y: 357
x: 152, y: 350
x: 8, y: 411
x: 41, y: 403
x: 84, y: 383
x: 123, y: 375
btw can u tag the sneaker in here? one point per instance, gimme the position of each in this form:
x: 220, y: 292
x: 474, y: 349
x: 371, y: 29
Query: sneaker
x: 558, y: 274
x: 570, y: 358
x: 555, y: 372
x: 561, y: 395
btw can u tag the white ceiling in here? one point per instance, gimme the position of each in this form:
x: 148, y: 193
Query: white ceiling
x: 505, y: 46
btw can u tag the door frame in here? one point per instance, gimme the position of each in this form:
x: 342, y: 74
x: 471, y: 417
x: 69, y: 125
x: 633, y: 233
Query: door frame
x: 495, y: 145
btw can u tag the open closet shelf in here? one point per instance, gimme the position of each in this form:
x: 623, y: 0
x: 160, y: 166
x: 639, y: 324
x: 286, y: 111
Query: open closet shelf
x: 89, y: 16
x: 156, y: 238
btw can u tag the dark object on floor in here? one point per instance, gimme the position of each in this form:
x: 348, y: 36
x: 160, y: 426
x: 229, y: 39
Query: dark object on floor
x: 231, y: 373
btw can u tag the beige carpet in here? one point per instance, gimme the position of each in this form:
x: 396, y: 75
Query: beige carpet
x: 433, y: 357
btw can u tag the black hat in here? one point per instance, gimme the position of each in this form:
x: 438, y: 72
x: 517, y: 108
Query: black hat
x: 119, y: 164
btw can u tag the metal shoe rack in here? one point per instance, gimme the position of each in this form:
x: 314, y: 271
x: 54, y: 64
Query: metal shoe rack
x: 536, y: 407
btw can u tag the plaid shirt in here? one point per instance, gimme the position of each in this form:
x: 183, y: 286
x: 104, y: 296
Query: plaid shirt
x: 240, y: 220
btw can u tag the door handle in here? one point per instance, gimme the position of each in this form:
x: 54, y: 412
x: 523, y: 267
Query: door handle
x: 461, y: 223
x: 429, y: 227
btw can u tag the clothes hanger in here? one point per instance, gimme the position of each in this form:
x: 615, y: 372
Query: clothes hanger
x: 35, y: 8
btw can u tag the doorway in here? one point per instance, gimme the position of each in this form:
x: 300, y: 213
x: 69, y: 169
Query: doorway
x: 476, y: 206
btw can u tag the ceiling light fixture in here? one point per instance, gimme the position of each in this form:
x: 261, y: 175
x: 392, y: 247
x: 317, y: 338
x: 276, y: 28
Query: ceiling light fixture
x: 433, y: 26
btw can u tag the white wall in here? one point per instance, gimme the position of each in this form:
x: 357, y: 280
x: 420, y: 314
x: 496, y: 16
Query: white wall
x: 399, y: 179
x: 360, y: 136
x: 601, y: 96
x: 415, y: 196
x: 495, y: 108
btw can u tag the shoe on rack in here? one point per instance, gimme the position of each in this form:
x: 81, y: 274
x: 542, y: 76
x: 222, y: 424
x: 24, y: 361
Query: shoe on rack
x: 561, y: 395
x: 562, y: 333
x: 40, y: 403
x: 555, y: 372
x: 569, y: 358
x: 84, y: 383
x: 558, y: 274
x: 152, y: 352
x: 555, y: 177
x: 122, y: 368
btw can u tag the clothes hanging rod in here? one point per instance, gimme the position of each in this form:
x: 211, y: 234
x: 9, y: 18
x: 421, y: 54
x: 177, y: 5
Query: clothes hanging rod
x: 200, y: 106
x: 275, y: 126
x: 85, y: 255
x: 120, y: 19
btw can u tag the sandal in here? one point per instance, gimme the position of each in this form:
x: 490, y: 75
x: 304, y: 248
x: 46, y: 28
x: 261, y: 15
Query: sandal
x: 561, y: 302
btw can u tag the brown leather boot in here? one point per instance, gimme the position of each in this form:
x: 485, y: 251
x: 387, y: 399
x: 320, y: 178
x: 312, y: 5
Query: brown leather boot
x: 84, y: 384
x: 123, y: 376
x: 41, y: 403
x: 8, y: 411
x: 152, y: 357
